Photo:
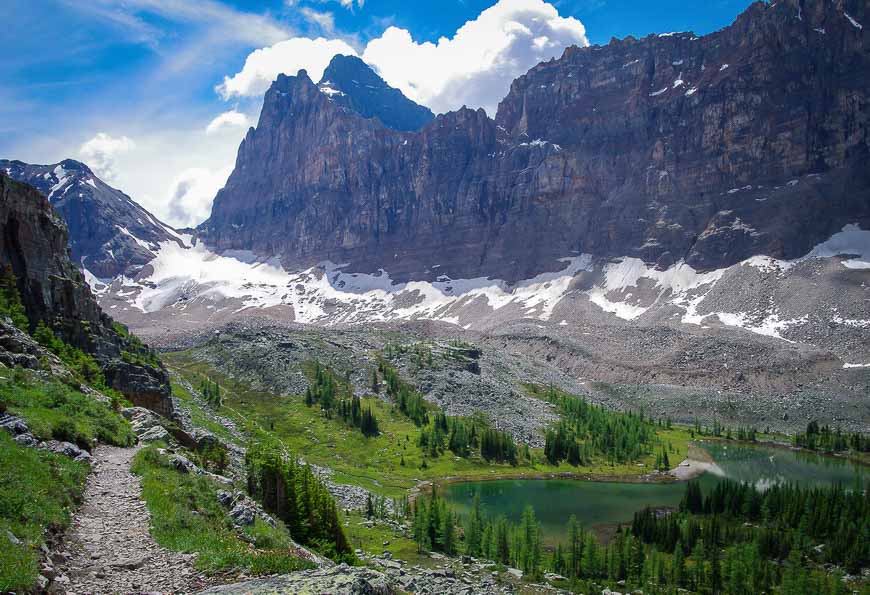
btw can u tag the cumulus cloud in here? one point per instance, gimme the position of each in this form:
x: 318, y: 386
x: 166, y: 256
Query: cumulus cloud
x: 229, y: 119
x: 477, y: 65
x: 191, y: 193
x: 101, y: 151
x: 289, y: 56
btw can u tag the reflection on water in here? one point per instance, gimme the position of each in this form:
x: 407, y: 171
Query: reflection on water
x: 766, y: 466
x: 609, y: 503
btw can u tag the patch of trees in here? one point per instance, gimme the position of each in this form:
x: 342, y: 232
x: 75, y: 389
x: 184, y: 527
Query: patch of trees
x: 407, y: 400
x: 336, y: 397
x: 826, y: 439
x: 589, y: 430
x: 466, y: 436
x: 353, y: 414
x: 296, y: 496
x: 211, y: 392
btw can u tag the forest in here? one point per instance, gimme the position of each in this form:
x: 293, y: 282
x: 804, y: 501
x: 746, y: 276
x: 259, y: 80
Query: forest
x: 733, y: 539
x: 336, y: 398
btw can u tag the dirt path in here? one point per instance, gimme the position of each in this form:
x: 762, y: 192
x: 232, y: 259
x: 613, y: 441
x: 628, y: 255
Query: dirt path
x: 108, y: 548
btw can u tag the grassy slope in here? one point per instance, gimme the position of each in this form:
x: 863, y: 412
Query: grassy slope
x: 54, y: 410
x: 39, y: 490
x: 187, y: 517
x: 375, y: 463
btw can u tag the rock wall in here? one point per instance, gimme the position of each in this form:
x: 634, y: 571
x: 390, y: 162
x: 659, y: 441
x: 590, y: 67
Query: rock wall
x: 666, y: 148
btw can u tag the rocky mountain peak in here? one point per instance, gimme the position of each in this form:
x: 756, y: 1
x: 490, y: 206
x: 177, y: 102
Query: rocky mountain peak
x: 110, y: 234
x: 669, y: 148
x: 350, y: 82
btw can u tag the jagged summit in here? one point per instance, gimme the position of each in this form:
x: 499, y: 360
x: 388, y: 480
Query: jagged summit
x: 350, y: 82
x: 110, y: 234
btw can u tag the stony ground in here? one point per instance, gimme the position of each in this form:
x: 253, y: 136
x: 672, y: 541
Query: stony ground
x: 108, y: 548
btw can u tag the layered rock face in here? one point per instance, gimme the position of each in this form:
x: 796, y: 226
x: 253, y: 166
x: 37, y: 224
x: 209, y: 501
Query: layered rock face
x: 669, y: 148
x: 33, y: 242
x: 110, y: 234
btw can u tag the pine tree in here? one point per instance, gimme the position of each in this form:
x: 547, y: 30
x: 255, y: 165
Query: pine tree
x: 10, y: 300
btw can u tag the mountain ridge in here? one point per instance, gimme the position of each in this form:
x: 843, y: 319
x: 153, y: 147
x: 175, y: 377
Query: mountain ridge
x: 673, y: 148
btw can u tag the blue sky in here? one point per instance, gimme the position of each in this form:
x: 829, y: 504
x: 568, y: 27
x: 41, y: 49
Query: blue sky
x: 137, y: 88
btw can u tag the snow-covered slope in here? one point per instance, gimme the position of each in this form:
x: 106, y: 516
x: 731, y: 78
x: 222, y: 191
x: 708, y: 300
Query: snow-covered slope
x: 827, y: 288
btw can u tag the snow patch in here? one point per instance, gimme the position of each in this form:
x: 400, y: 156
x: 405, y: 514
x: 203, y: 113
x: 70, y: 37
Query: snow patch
x: 142, y: 243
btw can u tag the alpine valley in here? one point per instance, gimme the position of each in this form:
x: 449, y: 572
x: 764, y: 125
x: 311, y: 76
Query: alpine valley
x: 653, y: 247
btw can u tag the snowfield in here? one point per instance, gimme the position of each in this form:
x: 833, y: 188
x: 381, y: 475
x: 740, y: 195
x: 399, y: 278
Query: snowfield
x: 628, y: 288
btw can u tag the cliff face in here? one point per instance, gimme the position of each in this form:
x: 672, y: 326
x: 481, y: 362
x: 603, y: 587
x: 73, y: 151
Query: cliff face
x: 109, y: 233
x: 33, y: 241
x: 669, y: 148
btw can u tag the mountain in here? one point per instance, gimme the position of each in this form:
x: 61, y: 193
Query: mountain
x: 54, y: 292
x: 672, y: 148
x: 351, y: 83
x: 110, y: 234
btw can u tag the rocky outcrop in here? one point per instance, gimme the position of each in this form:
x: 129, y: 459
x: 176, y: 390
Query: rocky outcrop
x: 21, y: 433
x: 350, y: 82
x: 109, y: 233
x: 339, y: 579
x: 33, y: 242
x: 672, y: 147
x: 145, y: 386
x: 17, y: 348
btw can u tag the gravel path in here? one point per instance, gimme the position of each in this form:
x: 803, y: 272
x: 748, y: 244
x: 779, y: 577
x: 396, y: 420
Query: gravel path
x: 108, y: 548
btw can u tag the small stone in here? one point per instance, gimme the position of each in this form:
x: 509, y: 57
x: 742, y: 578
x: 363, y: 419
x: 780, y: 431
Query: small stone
x: 42, y: 583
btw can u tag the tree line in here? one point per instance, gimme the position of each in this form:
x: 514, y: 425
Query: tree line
x: 588, y: 430
x: 826, y: 439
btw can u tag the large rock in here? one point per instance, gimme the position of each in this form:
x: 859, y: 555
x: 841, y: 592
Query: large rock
x: 145, y: 386
x: 666, y: 148
x: 339, y: 579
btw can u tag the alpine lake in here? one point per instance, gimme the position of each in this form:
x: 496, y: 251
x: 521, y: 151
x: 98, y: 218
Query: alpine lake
x: 603, y: 506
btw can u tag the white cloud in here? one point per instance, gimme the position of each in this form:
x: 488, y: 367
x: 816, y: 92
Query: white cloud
x: 325, y: 20
x: 477, y: 65
x: 289, y: 56
x: 101, y: 151
x: 228, y: 119
x: 172, y: 171
x: 191, y: 193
